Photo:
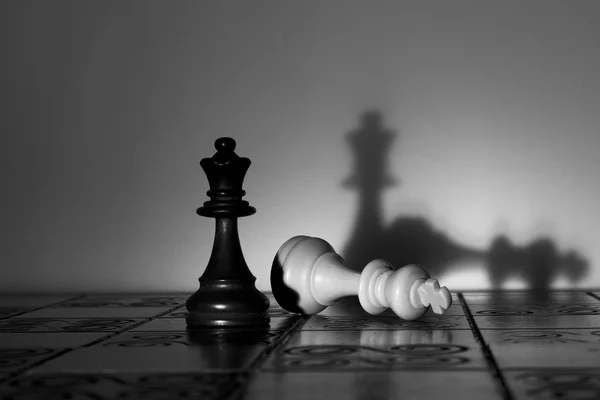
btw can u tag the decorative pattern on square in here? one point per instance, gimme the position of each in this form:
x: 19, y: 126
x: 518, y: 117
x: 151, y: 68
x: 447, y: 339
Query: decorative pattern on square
x: 576, y: 384
x: 167, y: 352
x: 537, y: 321
x: 179, y: 312
x: 95, y: 312
x: 375, y: 385
x: 207, y: 337
x: 374, y: 322
x: 9, y: 311
x: 329, y: 351
x: 16, y: 359
x: 48, y: 340
x: 519, y: 298
x: 544, y: 348
x: 66, y: 325
x: 127, y: 301
x: 120, y: 386
x: 535, y: 309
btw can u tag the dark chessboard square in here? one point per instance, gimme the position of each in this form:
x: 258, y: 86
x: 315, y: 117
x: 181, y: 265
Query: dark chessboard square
x: 375, y: 322
x: 194, y: 338
x: 151, y: 300
x: 180, y: 325
x: 554, y: 383
x: 537, y: 309
x: 16, y: 359
x: 544, y: 348
x: 32, y: 301
x: 329, y: 351
x: 67, y: 325
x: 122, y: 386
x: 49, y: 340
x: 376, y: 385
x: 524, y: 297
x: 158, y: 353
x: 95, y: 312
x: 10, y: 311
x: 537, y: 321
x: 179, y: 312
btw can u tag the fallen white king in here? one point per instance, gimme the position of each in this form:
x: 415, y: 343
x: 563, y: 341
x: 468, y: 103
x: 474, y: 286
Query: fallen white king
x: 308, y: 275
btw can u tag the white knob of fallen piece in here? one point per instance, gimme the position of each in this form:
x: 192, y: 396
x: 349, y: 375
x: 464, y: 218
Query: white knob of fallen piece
x: 308, y: 275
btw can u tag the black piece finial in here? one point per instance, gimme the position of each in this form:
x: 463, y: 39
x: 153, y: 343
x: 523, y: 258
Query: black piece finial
x: 227, y: 296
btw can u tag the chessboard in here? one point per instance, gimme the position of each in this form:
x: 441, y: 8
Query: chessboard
x: 488, y: 345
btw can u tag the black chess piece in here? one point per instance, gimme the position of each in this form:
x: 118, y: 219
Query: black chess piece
x: 227, y: 297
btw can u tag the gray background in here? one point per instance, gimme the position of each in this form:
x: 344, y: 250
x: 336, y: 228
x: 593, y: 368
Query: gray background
x: 108, y: 106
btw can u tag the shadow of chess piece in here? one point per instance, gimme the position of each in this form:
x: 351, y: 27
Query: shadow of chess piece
x: 370, y: 144
x: 227, y: 297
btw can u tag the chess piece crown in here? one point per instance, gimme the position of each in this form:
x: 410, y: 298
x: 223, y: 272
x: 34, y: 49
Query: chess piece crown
x: 225, y: 171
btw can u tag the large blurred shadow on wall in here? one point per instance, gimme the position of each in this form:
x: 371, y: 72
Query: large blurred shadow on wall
x: 415, y: 240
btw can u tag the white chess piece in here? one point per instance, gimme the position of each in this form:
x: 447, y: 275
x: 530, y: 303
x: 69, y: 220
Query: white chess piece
x: 308, y: 275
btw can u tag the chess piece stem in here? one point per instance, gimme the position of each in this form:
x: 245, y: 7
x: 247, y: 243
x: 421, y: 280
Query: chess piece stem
x: 308, y: 275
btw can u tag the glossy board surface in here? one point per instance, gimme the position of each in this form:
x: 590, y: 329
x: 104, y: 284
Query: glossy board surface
x: 510, y: 345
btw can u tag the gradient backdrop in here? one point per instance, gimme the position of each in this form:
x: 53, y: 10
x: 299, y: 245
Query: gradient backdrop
x: 108, y: 106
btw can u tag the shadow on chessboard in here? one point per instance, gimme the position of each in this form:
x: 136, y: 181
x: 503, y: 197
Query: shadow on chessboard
x: 415, y: 240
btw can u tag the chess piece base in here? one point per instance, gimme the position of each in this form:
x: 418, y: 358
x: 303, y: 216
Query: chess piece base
x: 227, y: 304
x: 228, y: 320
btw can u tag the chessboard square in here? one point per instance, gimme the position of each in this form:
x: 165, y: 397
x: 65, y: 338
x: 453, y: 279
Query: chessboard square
x: 535, y: 309
x: 166, y: 356
x: 33, y: 301
x: 544, y: 348
x: 121, y: 386
x: 375, y: 322
x: 17, y: 359
x: 554, y: 383
x: 6, y: 312
x: 49, y: 340
x: 178, y: 312
x: 67, y: 325
x: 161, y: 300
x: 527, y: 297
x: 537, y: 321
x: 328, y: 351
x: 95, y: 312
x: 196, y: 338
x: 432, y: 385
x: 179, y: 324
